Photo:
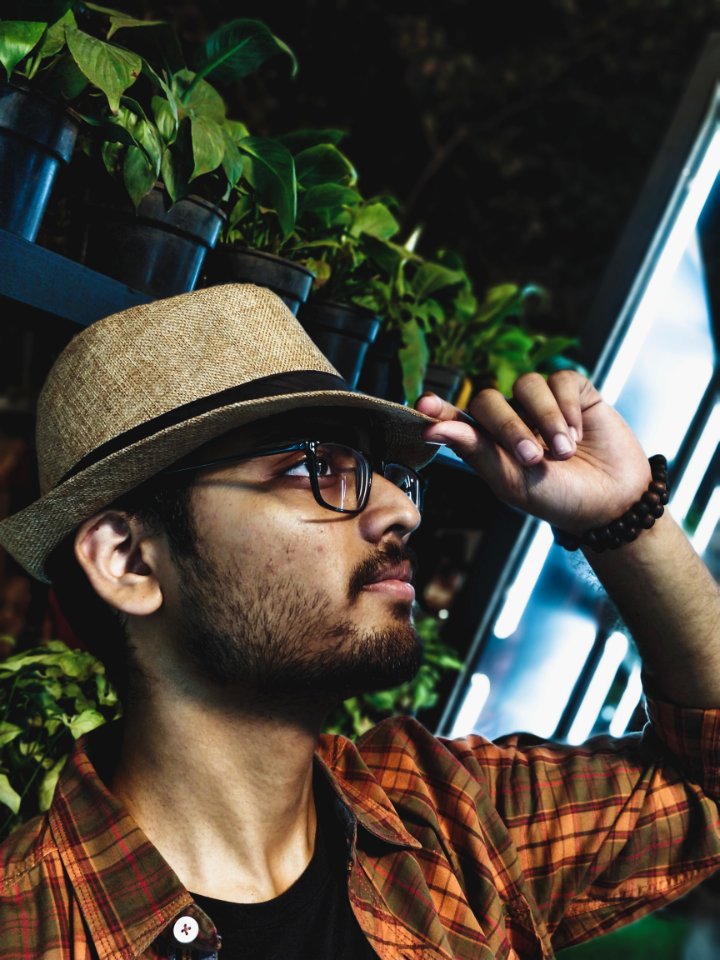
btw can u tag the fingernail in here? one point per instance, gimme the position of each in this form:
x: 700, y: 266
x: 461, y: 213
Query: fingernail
x: 573, y: 433
x: 527, y: 451
x: 561, y: 444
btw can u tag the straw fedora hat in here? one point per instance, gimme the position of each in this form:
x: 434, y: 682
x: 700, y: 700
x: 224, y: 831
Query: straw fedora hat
x: 140, y: 389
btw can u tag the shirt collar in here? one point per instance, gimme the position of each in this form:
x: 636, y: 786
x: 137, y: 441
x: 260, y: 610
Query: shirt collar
x: 127, y: 892
x: 361, y: 794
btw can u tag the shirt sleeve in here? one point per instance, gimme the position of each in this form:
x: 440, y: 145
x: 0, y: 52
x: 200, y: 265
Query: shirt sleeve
x: 615, y: 828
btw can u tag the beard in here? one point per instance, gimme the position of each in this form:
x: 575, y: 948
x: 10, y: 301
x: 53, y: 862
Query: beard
x: 277, y: 641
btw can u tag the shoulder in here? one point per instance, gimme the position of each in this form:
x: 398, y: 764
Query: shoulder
x: 401, y: 748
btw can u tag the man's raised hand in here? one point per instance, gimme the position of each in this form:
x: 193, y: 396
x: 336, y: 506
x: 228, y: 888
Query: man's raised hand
x: 558, y: 451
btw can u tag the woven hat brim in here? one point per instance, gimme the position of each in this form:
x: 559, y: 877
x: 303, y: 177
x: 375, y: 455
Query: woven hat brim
x: 32, y: 534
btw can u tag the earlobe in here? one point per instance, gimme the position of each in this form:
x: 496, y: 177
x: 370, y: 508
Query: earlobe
x: 118, y: 559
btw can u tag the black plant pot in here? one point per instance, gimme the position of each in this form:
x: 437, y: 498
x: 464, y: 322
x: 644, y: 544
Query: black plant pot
x: 343, y: 332
x: 232, y: 264
x: 382, y: 372
x: 442, y: 380
x: 36, y: 136
x: 158, y: 249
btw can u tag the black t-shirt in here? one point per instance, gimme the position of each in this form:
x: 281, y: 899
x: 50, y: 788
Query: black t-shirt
x: 312, y: 920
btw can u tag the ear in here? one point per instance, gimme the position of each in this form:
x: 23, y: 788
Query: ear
x: 121, y: 561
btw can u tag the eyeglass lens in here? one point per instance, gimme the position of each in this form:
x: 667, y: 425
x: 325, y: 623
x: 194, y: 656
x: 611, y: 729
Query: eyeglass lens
x: 342, y: 477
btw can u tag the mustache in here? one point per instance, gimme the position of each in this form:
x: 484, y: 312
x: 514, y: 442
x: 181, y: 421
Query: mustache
x: 390, y: 555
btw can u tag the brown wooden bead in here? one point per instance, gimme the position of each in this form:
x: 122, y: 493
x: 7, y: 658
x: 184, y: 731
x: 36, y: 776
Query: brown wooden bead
x: 664, y: 498
x: 658, y: 511
x: 658, y: 488
x: 618, y: 528
x: 647, y: 522
x: 651, y: 499
x: 631, y: 519
x: 642, y: 510
x: 631, y: 535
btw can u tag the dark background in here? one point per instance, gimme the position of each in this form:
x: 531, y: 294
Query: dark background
x: 518, y: 133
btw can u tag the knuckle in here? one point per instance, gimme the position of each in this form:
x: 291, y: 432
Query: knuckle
x: 527, y: 383
x: 564, y: 378
x: 511, y: 430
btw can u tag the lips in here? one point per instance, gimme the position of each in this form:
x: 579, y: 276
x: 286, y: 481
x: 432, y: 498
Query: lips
x: 401, y: 571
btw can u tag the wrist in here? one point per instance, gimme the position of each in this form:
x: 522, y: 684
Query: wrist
x: 627, y: 526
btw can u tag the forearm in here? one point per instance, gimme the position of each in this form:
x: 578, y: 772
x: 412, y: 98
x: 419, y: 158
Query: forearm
x: 671, y: 605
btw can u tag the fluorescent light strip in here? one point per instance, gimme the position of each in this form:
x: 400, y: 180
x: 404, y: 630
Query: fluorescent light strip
x: 472, y: 705
x: 628, y: 703
x: 708, y: 523
x: 527, y: 576
x: 698, y: 189
x: 681, y: 500
x: 612, y: 656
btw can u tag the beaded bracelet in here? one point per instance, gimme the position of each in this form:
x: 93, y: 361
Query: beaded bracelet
x: 641, y: 516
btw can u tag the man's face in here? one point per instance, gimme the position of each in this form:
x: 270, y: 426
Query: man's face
x: 279, y: 598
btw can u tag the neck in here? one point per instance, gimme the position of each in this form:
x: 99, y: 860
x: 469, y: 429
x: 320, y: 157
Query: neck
x: 225, y: 794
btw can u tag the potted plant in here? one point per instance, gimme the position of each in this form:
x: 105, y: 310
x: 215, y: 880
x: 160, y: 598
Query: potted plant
x: 405, y: 291
x: 491, y: 341
x: 338, y: 316
x: 51, y: 64
x: 289, y: 185
x: 177, y: 156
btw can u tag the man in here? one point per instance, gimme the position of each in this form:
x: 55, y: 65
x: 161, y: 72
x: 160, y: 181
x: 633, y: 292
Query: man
x: 231, y: 526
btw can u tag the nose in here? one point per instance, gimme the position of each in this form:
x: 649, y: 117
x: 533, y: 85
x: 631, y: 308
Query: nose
x: 388, y: 510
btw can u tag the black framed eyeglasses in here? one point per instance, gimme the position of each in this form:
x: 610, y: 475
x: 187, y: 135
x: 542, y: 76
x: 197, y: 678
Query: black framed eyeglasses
x: 340, y: 476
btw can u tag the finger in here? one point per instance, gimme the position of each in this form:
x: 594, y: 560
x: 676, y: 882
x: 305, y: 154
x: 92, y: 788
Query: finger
x: 507, y: 428
x: 541, y: 408
x: 566, y: 385
x: 434, y: 406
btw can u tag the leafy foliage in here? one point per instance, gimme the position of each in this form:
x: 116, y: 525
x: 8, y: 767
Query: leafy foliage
x: 358, y: 714
x: 49, y: 697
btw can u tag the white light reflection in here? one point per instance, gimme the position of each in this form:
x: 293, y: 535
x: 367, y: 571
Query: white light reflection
x: 677, y: 241
x: 472, y: 705
x: 628, y: 703
x: 613, y: 655
x: 681, y: 500
x: 708, y: 522
x: 527, y: 576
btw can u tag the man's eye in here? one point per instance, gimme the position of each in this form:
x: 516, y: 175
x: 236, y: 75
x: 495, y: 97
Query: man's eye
x: 299, y: 469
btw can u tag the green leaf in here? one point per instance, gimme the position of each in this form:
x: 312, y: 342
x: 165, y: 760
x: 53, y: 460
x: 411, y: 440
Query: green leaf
x: 55, y: 37
x: 270, y: 170
x: 139, y: 176
x: 109, y: 68
x: 208, y: 145
x: 122, y: 21
x: 237, y: 49
x: 414, y: 357
x: 321, y: 164
x: 85, y: 722
x: 48, y: 784
x: 17, y: 39
x: 176, y: 165
x: 298, y: 140
x: 329, y: 203
x: 8, y: 796
x: 375, y: 220
x: 67, y: 79
x: 165, y: 118
x: 432, y: 277
x: 8, y: 732
x: 232, y: 161
x: 197, y: 97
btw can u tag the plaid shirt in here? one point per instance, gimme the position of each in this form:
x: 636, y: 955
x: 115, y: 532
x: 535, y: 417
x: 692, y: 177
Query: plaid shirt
x: 456, y: 849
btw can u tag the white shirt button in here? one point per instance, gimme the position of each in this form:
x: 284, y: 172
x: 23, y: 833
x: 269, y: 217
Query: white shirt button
x: 186, y: 929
